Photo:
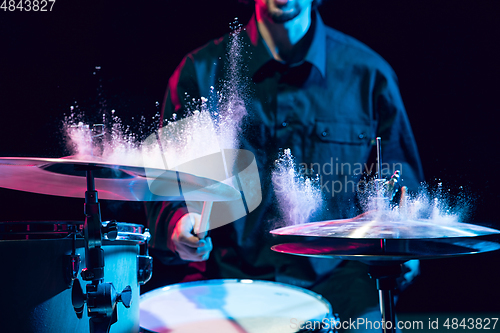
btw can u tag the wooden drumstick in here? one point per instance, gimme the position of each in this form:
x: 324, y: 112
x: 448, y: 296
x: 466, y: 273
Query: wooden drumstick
x: 402, y: 199
x: 204, y: 225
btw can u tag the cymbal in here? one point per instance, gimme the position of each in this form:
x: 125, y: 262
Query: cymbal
x: 372, y: 252
x: 385, y: 236
x: 66, y: 177
x: 386, y: 225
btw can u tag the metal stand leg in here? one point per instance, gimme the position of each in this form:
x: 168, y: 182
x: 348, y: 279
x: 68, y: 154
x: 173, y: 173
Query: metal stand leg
x: 101, y: 297
x: 386, y: 276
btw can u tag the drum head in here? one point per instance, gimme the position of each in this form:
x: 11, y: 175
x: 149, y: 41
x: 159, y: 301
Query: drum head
x: 230, y: 306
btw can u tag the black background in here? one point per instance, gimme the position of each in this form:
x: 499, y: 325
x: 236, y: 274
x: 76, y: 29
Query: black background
x: 445, y: 54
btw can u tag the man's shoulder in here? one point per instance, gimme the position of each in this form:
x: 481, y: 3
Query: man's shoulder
x: 211, y: 50
x: 350, y: 49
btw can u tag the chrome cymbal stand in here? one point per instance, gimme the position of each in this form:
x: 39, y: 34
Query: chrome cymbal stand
x: 101, y: 297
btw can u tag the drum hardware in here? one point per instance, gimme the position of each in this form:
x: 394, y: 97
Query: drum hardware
x: 385, y: 241
x: 144, y: 262
x: 386, y: 276
x: 385, y: 245
x: 72, y: 261
x: 44, y: 304
x: 110, y: 229
x: 71, y: 177
x: 101, y: 298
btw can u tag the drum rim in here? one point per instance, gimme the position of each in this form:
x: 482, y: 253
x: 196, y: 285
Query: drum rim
x: 123, y: 235
x: 73, y: 222
x: 178, y: 286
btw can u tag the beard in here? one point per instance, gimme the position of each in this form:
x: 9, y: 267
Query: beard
x: 286, y: 13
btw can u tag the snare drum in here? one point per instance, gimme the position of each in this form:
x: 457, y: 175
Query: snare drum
x: 233, y: 306
x: 36, y: 293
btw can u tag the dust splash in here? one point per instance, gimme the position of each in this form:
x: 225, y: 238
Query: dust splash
x: 428, y: 203
x: 209, y: 125
x: 299, y: 197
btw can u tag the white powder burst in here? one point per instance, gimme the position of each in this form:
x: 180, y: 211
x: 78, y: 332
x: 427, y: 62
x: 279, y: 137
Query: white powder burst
x: 229, y: 103
x: 184, y: 140
x: 428, y: 203
x: 111, y: 143
x: 436, y: 204
x: 211, y: 125
x: 298, y: 197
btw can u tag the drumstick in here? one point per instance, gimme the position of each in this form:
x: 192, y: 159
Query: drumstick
x: 402, y: 199
x: 204, y: 224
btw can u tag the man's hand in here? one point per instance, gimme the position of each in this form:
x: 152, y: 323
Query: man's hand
x: 188, y: 246
x: 410, y: 269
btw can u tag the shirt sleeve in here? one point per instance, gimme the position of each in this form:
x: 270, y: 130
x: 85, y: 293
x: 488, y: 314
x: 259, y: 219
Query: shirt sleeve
x: 163, y: 216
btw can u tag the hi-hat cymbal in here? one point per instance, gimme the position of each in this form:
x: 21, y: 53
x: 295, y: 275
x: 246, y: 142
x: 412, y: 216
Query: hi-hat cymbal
x: 385, y: 225
x: 385, y: 236
x: 371, y: 251
x: 66, y: 177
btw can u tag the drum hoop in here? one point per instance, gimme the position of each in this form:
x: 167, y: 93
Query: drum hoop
x: 178, y: 286
x: 62, y: 230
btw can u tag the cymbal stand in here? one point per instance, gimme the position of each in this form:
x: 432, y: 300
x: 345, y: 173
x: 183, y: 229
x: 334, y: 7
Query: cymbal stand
x: 101, y: 297
x: 384, y: 273
x: 386, y: 276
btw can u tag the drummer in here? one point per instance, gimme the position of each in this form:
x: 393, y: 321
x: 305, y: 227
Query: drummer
x: 324, y: 95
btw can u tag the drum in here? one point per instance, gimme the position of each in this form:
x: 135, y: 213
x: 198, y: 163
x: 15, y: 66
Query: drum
x: 234, y: 306
x: 36, y: 275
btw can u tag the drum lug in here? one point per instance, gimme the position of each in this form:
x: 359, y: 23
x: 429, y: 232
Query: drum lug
x: 125, y: 297
x: 144, y: 269
x: 71, y: 261
x: 144, y: 261
x: 71, y: 268
x: 78, y: 298
x: 102, y: 301
x: 110, y: 230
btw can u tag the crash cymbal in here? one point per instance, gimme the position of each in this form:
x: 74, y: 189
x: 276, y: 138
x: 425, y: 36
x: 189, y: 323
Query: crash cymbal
x: 386, y: 225
x: 67, y: 177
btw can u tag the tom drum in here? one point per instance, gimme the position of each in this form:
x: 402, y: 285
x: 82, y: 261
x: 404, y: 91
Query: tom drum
x: 234, y: 306
x: 36, y: 275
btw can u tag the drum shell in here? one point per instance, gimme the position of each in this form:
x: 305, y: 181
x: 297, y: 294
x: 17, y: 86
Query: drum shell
x: 35, y: 293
